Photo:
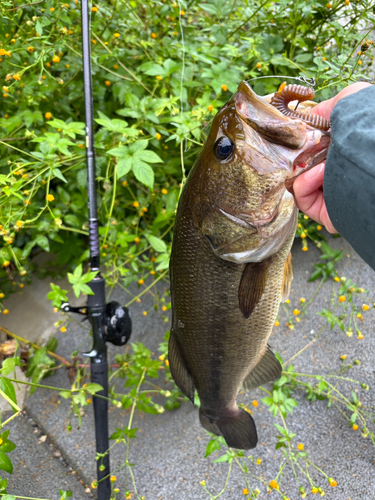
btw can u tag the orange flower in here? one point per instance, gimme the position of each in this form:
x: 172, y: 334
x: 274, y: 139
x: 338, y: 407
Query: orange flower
x: 274, y: 485
x: 245, y: 491
x: 296, y: 312
x: 255, y: 403
x: 164, y: 191
x: 355, y: 427
x: 48, y: 115
x: 365, y: 307
x: 277, y: 323
x: 63, y: 329
x: 55, y: 59
x: 154, y: 35
x: 259, y: 65
x: 224, y: 87
x: 342, y: 298
x: 137, y: 240
x: 136, y: 204
x: 107, y: 83
x: 210, y: 108
x: 164, y: 308
x: 141, y: 281
x: 332, y: 482
x: 6, y: 311
x: 17, y: 77
x: 300, y: 446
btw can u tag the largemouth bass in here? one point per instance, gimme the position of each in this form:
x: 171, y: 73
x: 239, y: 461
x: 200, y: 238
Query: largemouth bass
x: 230, y: 264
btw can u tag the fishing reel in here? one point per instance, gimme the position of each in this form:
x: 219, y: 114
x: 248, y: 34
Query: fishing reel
x: 116, y: 321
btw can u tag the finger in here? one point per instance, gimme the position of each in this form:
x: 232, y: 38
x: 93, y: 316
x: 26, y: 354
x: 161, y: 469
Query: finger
x: 308, y: 182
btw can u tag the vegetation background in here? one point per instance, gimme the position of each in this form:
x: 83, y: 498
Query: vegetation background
x: 161, y: 70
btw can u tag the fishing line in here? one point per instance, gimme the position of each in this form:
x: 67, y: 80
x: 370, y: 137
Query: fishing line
x: 308, y: 81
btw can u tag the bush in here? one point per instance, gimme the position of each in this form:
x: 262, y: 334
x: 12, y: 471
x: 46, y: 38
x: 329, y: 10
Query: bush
x: 160, y: 73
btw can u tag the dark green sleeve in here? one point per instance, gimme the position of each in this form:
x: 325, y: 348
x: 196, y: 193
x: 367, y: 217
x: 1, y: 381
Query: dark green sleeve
x: 349, y: 179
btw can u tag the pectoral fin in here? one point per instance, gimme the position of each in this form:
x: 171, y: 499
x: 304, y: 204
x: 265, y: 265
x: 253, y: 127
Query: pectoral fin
x: 267, y: 369
x: 287, y: 279
x: 179, y: 370
x: 253, y: 282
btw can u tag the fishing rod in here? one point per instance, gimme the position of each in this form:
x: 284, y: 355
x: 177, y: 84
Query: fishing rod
x: 110, y: 322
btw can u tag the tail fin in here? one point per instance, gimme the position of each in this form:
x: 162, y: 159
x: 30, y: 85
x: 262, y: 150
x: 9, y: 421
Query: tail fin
x: 238, y: 430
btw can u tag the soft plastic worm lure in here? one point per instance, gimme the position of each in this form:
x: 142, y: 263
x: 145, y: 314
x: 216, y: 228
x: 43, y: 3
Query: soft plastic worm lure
x: 288, y: 93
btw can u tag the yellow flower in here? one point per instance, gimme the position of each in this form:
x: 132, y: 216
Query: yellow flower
x: 107, y: 83
x: 303, y: 300
x: 300, y: 446
x: 164, y: 308
x: 287, y: 301
x: 166, y: 362
x: 94, y: 9
x: 255, y: 403
x: 158, y: 136
x: 332, y: 482
x: 117, y: 35
x: 343, y: 357
x: 144, y: 313
x: 319, y: 227
x: 17, y: 77
x: 203, y: 483
x: 21, y: 285
x: 137, y: 240
x: 159, y: 77
x: 210, y: 108
x: 94, y: 485
x: 360, y: 62
x: 303, y: 236
x: 304, y: 249
x: 245, y: 491
x: 2, y: 295
x: 115, y: 66
x: 306, y: 217
x: 162, y: 357
x: 182, y: 13
x: 63, y: 329
x: 175, y: 33
x: 19, y: 223
x: 259, y: 461
x: 48, y: 115
x: 314, y: 490
x: 342, y: 298
x: 336, y: 278
x: 136, y: 204
x: 116, y: 490
x: 365, y: 307
x: 359, y: 335
x: 141, y: 281
x: 274, y: 484
x: 113, y: 479
x: 329, y: 6
x: 277, y: 323
x: 259, y: 65
x: 6, y: 311
x: 347, y: 2
x: 55, y: 59
x: 154, y: 35
x: 296, y: 312
x: 50, y: 197
x: 125, y: 183
x: 355, y: 427
x: 224, y: 87
x: 164, y: 191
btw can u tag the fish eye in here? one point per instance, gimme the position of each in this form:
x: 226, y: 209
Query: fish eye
x: 223, y: 148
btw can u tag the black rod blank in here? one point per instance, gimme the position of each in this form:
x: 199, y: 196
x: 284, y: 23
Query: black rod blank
x: 96, y: 304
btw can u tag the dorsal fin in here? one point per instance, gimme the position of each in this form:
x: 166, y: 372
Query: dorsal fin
x: 287, y: 279
x: 253, y: 282
x: 267, y: 369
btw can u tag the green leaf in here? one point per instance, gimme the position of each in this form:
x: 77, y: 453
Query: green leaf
x: 93, y: 388
x: 8, y: 388
x: 8, y: 366
x: 150, y: 157
x: 212, y: 446
x: 65, y: 394
x: 5, y: 463
x: 57, y: 173
x: 156, y: 243
x: 143, y: 172
x: 124, y: 165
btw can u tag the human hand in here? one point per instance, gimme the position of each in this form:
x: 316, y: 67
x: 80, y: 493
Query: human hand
x: 307, y: 187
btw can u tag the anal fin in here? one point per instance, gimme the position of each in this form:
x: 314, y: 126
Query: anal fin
x: 267, y: 369
x: 253, y: 282
x: 179, y: 370
x: 287, y: 279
